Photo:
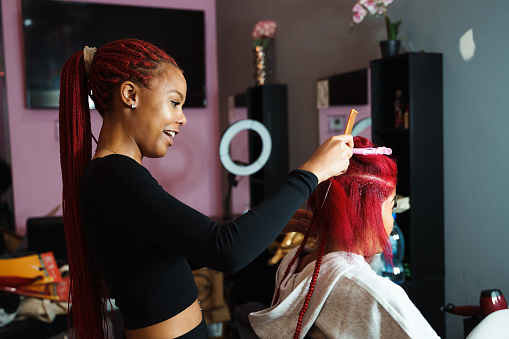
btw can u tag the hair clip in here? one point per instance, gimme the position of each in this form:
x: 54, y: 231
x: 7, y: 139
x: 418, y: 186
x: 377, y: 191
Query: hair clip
x: 372, y: 151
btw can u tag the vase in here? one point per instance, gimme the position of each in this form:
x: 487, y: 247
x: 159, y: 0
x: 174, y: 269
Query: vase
x: 390, y: 47
x: 263, y: 66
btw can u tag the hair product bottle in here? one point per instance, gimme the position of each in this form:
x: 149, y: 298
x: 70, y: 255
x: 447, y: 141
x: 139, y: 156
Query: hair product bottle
x: 395, y: 272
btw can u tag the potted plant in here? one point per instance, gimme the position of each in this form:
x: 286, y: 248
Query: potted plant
x: 378, y: 8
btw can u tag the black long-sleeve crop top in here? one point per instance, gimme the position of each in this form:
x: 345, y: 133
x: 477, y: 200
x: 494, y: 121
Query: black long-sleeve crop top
x: 142, y: 237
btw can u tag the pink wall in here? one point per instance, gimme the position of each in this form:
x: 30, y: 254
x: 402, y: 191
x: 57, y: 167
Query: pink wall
x: 190, y: 170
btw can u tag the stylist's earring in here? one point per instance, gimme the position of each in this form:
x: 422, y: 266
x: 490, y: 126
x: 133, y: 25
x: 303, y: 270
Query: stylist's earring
x: 133, y: 106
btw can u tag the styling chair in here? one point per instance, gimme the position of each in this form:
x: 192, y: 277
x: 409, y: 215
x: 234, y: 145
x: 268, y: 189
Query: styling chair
x: 241, y: 317
x: 47, y: 234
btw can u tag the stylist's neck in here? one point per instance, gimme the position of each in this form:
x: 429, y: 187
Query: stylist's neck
x: 116, y: 136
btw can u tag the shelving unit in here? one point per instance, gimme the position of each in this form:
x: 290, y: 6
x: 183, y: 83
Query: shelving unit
x: 268, y: 105
x: 419, y: 154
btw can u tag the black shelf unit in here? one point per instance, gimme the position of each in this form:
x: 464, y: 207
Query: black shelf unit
x: 268, y: 105
x: 419, y: 154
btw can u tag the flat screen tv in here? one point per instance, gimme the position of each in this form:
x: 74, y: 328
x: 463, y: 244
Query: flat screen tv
x: 55, y: 30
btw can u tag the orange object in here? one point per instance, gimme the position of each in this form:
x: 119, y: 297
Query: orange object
x: 35, y: 275
x: 351, y: 121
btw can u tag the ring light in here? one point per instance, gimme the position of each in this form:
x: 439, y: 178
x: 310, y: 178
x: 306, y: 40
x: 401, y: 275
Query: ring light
x: 231, y: 132
x: 361, y: 125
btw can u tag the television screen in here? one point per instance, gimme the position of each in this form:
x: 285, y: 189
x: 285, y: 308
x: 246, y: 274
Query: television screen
x: 55, y: 30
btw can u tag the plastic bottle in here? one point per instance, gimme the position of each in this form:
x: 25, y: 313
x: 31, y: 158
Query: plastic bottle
x: 247, y: 206
x: 395, y: 272
x: 406, y: 121
x: 399, y: 109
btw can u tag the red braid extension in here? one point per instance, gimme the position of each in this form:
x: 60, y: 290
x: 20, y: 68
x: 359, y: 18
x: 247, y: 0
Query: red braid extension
x: 312, y: 284
x: 119, y: 61
x: 75, y: 154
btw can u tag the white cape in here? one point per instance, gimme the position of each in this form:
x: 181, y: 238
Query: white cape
x: 349, y: 301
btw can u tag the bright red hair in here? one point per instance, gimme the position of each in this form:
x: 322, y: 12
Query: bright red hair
x: 351, y: 212
x: 116, y: 62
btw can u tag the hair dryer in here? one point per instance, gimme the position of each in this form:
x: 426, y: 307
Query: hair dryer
x: 491, y: 301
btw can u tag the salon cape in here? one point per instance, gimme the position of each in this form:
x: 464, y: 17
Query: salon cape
x: 349, y: 301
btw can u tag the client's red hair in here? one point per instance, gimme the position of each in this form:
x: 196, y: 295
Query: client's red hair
x: 352, y: 211
x: 116, y: 62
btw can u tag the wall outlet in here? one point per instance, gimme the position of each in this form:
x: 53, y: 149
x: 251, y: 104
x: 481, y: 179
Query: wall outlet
x: 336, y: 123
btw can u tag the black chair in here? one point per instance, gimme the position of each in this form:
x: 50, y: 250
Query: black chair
x: 241, y: 317
x: 47, y: 234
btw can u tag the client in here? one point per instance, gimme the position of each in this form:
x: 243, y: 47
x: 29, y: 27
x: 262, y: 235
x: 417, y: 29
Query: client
x: 332, y: 292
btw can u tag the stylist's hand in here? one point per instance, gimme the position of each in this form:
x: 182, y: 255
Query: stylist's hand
x: 331, y: 158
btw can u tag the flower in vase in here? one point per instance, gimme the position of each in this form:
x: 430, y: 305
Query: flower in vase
x: 263, y: 31
x: 375, y: 8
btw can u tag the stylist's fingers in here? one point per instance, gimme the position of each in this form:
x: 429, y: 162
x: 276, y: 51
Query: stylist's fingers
x: 331, y: 158
x: 346, y: 147
x: 347, y: 138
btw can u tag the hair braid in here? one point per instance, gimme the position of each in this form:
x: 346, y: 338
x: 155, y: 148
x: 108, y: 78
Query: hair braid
x: 312, y: 284
x: 119, y: 61
x: 75, y: 154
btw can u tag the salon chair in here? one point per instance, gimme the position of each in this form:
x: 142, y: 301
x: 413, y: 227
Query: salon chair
x: 47, y: 234
x: 241, y: 317
x: 493, y: 326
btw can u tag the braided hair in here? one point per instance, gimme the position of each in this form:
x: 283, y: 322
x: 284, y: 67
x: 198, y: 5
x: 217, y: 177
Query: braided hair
x: 350, y: 214
x: 118, y: 61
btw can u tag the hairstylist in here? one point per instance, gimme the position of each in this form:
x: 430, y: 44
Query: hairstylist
x: 122, y: 228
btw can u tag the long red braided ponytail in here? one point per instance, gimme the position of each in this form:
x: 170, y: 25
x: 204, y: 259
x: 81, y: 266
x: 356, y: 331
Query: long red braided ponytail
x: 119, y: 61
x: 351, y: 213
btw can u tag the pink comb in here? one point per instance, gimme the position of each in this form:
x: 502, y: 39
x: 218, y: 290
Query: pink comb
x: 372, y: 151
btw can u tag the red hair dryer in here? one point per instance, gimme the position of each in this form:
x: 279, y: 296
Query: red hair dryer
x: 491, y: 301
